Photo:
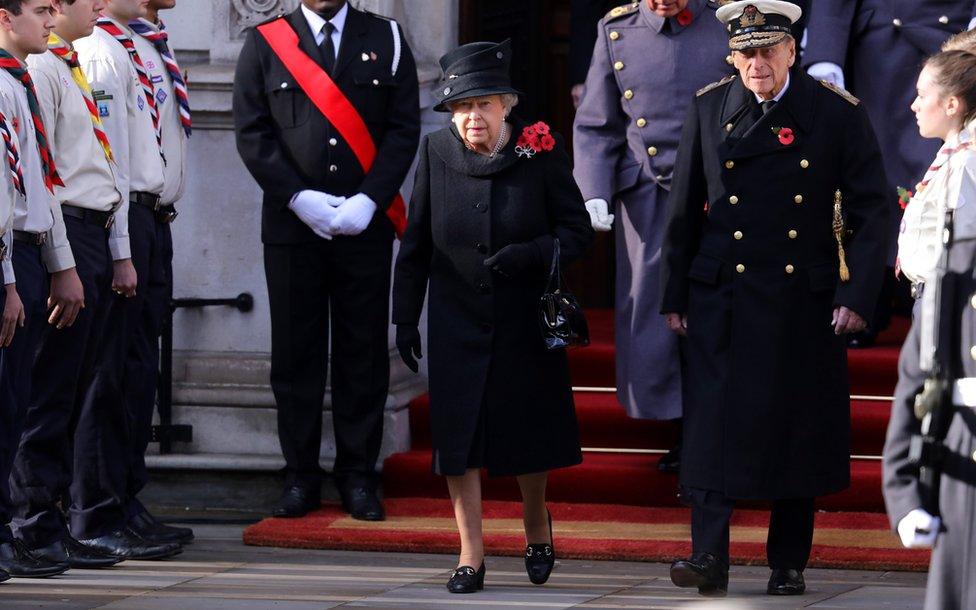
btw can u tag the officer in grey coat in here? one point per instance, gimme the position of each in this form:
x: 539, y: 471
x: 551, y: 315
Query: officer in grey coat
x: 952, y: 573
x: 645, y: 69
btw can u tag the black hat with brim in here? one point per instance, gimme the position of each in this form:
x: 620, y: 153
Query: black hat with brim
x: 474, y: 70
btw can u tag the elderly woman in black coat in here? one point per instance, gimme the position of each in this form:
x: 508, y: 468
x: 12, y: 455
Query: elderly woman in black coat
x: 491, y: 197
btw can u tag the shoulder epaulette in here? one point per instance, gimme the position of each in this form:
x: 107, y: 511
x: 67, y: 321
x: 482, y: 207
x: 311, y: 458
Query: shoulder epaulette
x: 728, y: 79
x: 620, y: 11
x: 844, y: 93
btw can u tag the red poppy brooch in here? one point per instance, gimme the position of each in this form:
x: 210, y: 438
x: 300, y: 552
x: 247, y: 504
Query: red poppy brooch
x: 904, y: 196
x: 535, y: 138
x: 684, y: 18
x: 785, y: 135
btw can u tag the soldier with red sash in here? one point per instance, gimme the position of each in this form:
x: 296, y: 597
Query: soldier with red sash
x: 326, y: 111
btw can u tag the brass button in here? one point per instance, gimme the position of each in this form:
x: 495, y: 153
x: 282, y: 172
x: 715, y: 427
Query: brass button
x: 737, y: 235
x: 896, y: 22
x: 729, y: 164
x: 652, y: 151
x: 798, y: 199
x: 376, y: 82
x: 974, y: 456
x: 789, y: 269
x: 333, y: 141
x: 804, y: 164
x: 628, y: 94
x: 641, y: 122
x: 740, y: 268
x: 792, y: 233
x: 734, y: 200
x: 943, y: 20
x: 728, y: 59
x: 614, y: 35
x: 333, y: 168
x: 972, y: 352
x: 728, y: 127
x: 973, y: 301
x: 618, y: 65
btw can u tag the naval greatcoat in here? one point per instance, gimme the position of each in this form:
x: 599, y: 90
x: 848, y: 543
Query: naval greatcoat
x: 952, y: 574
x: 495, y: 390
x: 645, y: 68
x: 750, y: 257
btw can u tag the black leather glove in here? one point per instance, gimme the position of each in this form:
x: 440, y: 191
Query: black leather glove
x: 408, y: 344
x: 514, y: 259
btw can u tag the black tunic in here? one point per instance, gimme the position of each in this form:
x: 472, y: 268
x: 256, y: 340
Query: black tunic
x: 484, y: 343
x: 767, y: 411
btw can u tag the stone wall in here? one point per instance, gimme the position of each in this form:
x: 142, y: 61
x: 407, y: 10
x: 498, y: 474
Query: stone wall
x: 221, y: 359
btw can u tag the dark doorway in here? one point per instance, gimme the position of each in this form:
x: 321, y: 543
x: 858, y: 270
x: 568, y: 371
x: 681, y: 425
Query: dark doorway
x: 539, y: 30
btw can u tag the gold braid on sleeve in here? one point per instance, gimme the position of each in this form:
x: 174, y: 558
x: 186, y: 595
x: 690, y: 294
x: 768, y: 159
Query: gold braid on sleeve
x: 838, y: 224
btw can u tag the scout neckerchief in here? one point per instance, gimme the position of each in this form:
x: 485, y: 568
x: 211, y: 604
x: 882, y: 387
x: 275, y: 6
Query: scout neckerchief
x: 147, y: 87
x: 16, y: 69
x: 159, y: 39
x: 60, y: 48
x: 13, y: 156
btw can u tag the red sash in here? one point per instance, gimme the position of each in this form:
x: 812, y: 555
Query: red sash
x: 328, y: 98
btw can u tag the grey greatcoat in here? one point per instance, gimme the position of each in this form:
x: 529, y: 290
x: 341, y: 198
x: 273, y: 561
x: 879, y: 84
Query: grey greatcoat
x: 645, y: 69
x: 881, y: 45
x: 952, y: 575
x: 490, y: 373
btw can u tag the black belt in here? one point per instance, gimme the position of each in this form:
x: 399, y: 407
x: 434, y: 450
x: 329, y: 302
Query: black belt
x: 164, y: 213
x: 26, y: 237
x: 102, y: 219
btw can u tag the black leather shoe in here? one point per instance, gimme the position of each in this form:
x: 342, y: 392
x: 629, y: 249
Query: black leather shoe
x: 362, y: 503
x: 466, y: 580
x: 296, y: 501
x: 4, y: 576
x: 786, y: 582
x: 670, y: 462
x: 18, y: 562
x: 150, y: 528
x: 75, y: 554
x: 705, y: 571
x: 126, y: 545
x: 540, y: 559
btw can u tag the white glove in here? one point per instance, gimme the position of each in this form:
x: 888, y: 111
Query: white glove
x: 972, y: 24
x: 353, y: 215
x: 316, y: 209
x: 918, y: 529
x: 828, y: 71
x: 600, y: 217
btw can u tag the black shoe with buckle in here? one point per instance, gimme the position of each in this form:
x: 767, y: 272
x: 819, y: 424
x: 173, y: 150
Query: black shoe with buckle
x: 786, y: 582
x: 467, y: 580
x: 151, y: 528
x: 362, y: 503
x: 705, y: 571
x: 540, y: 559
x: 17, y: 561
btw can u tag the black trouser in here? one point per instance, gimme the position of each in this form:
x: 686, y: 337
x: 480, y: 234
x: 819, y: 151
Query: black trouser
x: 152, y: 255
x: 790, y: 528
x: 73, y: 427
x: 348, y: 280
x: 15, y: 367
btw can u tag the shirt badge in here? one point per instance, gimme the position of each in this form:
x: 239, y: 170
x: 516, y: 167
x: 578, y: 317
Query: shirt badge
x: 141, y: 103
x: 151, y: 64
x: 157, y: 78
x: 161, y: 96
x: 103, y: 109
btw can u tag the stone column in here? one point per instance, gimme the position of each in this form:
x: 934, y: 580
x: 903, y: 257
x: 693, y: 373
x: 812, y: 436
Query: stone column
x: 221, y: 359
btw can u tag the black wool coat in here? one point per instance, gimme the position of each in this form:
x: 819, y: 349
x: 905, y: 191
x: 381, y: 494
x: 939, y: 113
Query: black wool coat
x: 288, y: 145
x: 750, y: 257
x: 952, y: 573
x: 486, y: 355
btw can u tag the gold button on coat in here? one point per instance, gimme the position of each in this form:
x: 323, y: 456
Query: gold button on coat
x: 641, y: 122
x: 789, y: 269
x: 742, y: 269
x: 792, y: 233
x: 728, y: 59
x: 974, y: 456
x: 652, y: 151
x: 628, y: 94
x: 972, y: 352
x: 333, y: 168
x: 729, y: 164
x: 333, y: 141
x: 618, y: 65
x: 804, y: 164
x: 614, y: 35
x: 973, y: 301
x: 737, y: 235
x: 943, y: 20
x: 896, y: 22
x: 728, y: 127
x: 734, y: 200
x: 798, y: 199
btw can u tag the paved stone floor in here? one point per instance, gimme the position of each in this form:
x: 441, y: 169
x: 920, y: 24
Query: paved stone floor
x: 219, y: 572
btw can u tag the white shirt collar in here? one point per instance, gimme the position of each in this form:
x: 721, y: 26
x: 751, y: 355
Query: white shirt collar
x: 316, y: 22
x: 779, y: 95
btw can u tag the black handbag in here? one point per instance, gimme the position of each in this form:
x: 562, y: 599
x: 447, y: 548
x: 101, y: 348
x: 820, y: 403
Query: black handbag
x: 561, y: 317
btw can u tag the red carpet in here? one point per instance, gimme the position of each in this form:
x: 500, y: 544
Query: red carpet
x: 619, y: 478
x: 585, y: 531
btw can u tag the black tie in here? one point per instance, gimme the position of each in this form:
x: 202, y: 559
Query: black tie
x: 767, y: 106
x: 327, y: 48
